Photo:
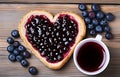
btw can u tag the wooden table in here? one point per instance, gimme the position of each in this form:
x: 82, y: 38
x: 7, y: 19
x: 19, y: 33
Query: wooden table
x: 12, y: 11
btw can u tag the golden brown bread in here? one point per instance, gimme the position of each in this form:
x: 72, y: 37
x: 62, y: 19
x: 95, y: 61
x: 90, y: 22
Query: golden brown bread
x: 79, y: 37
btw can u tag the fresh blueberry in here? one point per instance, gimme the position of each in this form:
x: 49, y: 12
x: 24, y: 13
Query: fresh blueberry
x: 15, y: 33
x: 16, y: 52
x: 33, y: 70
x: 100, y: 15
x: 26, y: 54
x: 82, y: 7
x: 90, y: 26
x: 19, y: 58
x: 59, y: 57
x: 98, y: 29
x: 95, y: 7
x: 108, y: 35
x: 16, y: 44
x: 87, y: 20
x: 10, y: 40
x: 12, y: 57
x: 10, y: 48
x: 107, y: 28
x: 92, y: 32
x: 21, y: 48
x: 103, y: 22
x: 92, y: 14
x: 85, y: 13
x: 110, y: 17
x: 24, y: 63
x: 95, y: 21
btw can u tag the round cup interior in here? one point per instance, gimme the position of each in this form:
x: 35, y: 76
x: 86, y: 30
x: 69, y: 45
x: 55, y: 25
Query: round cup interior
x: 107, y: 56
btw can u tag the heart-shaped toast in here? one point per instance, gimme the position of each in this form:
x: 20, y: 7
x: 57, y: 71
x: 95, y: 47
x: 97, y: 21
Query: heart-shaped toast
x: 52, y: 39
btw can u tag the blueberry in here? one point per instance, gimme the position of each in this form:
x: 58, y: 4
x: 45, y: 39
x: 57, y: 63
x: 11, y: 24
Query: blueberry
x: 59, y: 57
x: 103, y: 22
x: 92, y: 14
x: 21, y: 48
x: 19, y: 58
x: 16, y: 52
x: 10, y: 48
x: 85, y: 13
x: 90, y: 26
x: 82, y: 7
x: 16, y: 44
x: 92, y: 32
x: 10, y: 40
x: 95, y: 7
x: 12, y: 57
x: 95, y: 21
x: 33, y: 70
x: 110, y: 17
x: 100, y: 15
x: 87, y: 20
x: 98, y: 29
x: 24, y: 63
x: 26, y: 54
x: 107, y: 28
x: 15, y: 33
x: 108, y: 35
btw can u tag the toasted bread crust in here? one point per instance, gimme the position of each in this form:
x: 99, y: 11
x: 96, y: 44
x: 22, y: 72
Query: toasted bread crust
x: 79, y: 37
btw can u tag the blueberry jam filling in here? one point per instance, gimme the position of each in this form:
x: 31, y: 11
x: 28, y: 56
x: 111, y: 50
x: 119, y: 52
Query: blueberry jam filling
x: 51, y: 40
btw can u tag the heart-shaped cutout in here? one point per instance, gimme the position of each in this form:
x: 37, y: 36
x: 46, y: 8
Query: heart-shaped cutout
x: 52, y: 39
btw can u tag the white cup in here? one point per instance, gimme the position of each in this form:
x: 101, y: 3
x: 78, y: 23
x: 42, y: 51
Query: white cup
x: 105, y: 60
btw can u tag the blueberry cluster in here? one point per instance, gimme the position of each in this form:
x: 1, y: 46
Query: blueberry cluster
x: 18, y: 52
x: 96, y: 20
x: 51, y: 40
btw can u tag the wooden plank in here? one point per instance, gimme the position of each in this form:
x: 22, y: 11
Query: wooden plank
x: 9, y: 19
x: 62, y: 1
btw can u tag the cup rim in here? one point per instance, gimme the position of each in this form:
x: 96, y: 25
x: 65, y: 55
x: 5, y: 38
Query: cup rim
x: 107, y: 58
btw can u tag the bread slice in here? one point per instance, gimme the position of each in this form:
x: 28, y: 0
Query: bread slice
x: 79, y: 37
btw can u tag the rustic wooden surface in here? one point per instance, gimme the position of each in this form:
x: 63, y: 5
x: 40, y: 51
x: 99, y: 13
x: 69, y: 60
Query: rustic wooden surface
x: 62, y: 1
x: 10, y: 15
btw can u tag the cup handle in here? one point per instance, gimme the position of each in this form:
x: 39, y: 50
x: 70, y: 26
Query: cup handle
x: 98, y: 37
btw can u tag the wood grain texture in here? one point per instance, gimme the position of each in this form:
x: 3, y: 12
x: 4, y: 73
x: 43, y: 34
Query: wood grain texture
x: 10, y: 15
x: 62, y: 1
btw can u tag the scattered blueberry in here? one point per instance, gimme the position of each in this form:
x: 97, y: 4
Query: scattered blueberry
x: 16, y: 52
x: 103, y: 22
x: 12, y: 57
x: 82, y: 7
x: 90, y: 26
x: 95, y: 7
x: 92, y: 14
x: 21, y: 48
x: 24, y: 63
x: 108, y: 35
x: 107, y: 28
x: 16, y: 44
x: 15, y: 33
x: 85, y: 13
x: 33, y: 70
x: 95, y: 21
x: 87, y: 20
x: 92, y: 32
x: 10, y: 40
x: 100, y: 15
x: 19, y: 58
x: 26, y: 54
x: 98, y: 29
x: 10, y: 48
x: 110, y: 17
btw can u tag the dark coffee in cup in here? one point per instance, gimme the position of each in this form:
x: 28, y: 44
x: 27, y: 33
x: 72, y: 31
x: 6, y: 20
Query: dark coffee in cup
x: 90, y: 56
